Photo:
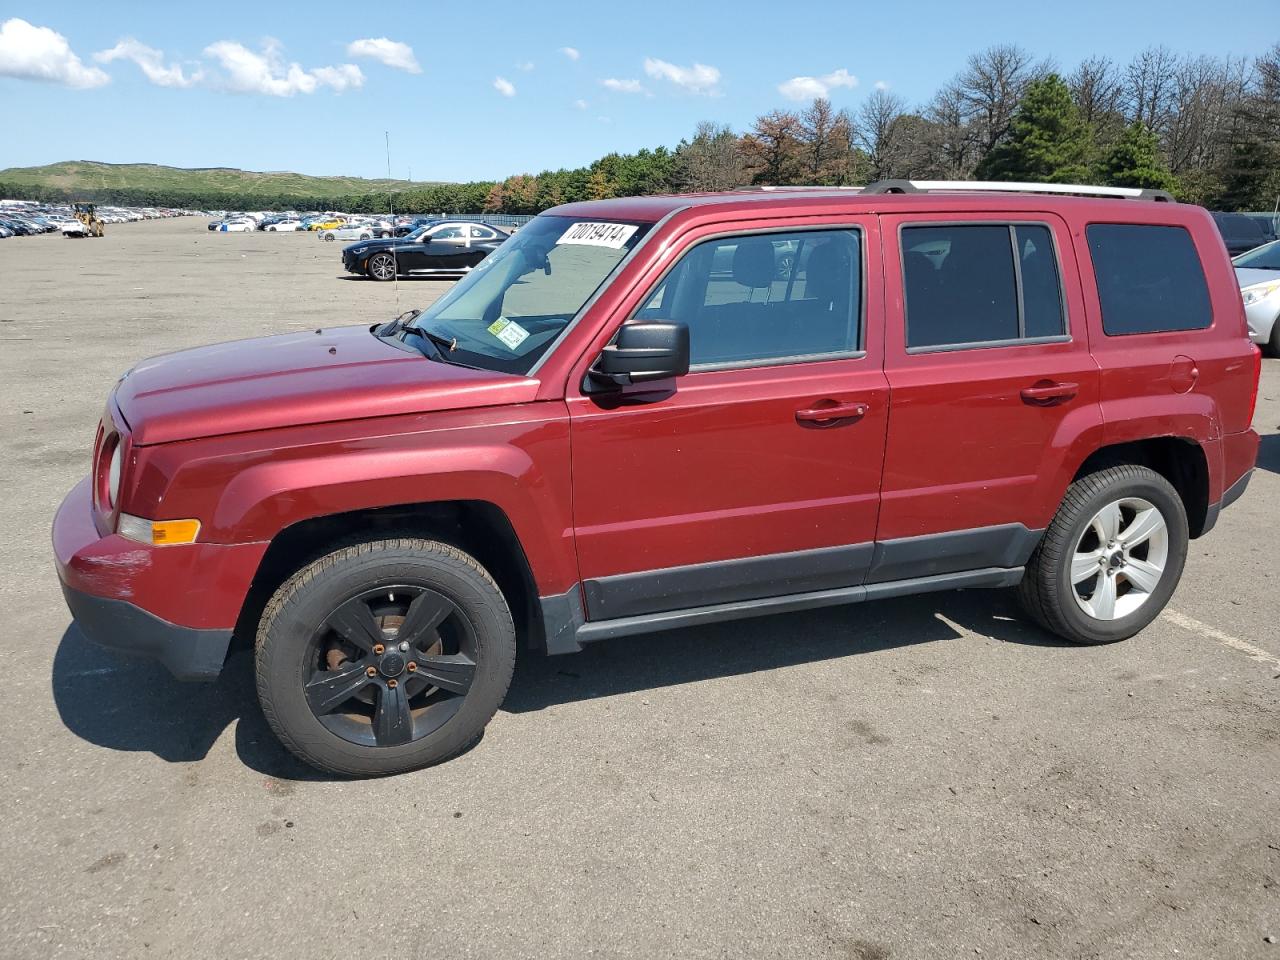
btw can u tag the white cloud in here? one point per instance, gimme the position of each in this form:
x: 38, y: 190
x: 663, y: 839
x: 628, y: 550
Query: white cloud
x: 151, y: 62
x: 809, y: 88
x: 345, y: 76
x: 570, y: 52
x: 38, y: 53
x: 698, y: 78
x: 581, y: 104
x: 524, y: 66
x: 267, y: 73
x: 393, y: 53
x: 882, y: 84
x: 504, y: 86
x: 623, y: 86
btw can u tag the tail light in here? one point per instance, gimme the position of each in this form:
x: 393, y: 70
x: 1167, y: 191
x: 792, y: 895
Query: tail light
x: 1257, y: 379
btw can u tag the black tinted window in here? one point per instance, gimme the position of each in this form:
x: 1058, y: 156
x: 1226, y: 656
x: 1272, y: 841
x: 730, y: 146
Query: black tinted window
x: 774, y: 296
x: 1041, y: 290
x: 963, y: 285
x: 1149, y: 279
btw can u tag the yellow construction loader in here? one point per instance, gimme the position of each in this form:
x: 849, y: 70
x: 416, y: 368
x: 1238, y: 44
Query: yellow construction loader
x: 88, y: 224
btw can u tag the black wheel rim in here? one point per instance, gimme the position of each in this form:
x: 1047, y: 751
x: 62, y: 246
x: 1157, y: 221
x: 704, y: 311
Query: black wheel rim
x: 390, y: 665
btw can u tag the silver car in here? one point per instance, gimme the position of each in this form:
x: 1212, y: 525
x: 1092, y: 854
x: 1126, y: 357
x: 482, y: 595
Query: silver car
x: 1258, y: 273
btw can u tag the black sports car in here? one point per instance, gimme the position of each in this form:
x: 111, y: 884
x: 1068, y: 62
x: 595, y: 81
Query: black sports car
x: 440, y: 247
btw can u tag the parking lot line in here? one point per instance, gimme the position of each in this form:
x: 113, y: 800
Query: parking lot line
x: 1252, y: 650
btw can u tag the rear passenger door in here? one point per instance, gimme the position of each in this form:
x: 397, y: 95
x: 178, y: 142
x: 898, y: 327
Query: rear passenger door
x: 994, y: 390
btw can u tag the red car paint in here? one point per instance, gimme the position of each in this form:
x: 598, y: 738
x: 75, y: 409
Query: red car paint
x: 254, y: 437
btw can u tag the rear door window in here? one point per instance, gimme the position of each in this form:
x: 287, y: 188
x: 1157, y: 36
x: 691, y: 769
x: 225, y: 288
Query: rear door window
x: 1149, y: 278
x: 980, y: 284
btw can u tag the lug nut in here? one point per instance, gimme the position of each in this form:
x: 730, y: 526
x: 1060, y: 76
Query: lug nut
x: 378, y: 648
x: 412, y: 666
x: 371, y: 672
x: 393, y: 683
x: 404, y: 646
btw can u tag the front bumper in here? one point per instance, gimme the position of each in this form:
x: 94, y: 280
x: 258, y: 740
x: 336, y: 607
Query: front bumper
x: 189, y: 654
x: 176, y: 604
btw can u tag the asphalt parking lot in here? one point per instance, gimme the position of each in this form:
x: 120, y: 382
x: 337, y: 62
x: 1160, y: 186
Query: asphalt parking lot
x: 928, y: 777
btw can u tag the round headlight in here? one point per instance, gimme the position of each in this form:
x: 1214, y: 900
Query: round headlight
x: 113, y: 475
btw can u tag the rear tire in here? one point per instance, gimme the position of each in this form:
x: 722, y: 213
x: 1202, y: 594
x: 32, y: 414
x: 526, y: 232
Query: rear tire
x: 1138, y: 561
x: 452, y: 668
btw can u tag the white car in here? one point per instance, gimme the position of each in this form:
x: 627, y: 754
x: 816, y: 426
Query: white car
x: 348, y: 231
x: 238, y: 226
x: 284, y: 226
x: 1258, y: 273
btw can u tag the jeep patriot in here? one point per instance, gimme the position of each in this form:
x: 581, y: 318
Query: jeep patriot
x: 652, y: 412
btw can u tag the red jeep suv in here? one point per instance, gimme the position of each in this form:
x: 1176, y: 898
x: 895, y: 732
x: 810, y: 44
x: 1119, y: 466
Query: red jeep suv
x: 647, y: 413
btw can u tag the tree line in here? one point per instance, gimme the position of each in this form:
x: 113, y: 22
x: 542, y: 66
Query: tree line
x: 1205, y: 128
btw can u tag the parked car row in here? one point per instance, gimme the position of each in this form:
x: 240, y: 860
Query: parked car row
x: 292, y: 222
x: 1242, y: 232
x: 26, y: 218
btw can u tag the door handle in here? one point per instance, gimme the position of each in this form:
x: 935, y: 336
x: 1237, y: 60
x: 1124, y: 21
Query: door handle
x: 832, y: 413
x: 1047, y: 393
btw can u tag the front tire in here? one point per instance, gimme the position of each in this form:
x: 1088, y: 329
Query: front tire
x: 1274, y: 341
x: 1111, y: 558
x: 384, y: 657
x: 381, y: 266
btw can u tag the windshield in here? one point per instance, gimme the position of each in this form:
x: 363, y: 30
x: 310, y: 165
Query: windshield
x: 506, y: 313
x: 1266, y: 257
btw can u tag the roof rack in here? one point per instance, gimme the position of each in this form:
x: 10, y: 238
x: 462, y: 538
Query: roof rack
x: 995, y: 186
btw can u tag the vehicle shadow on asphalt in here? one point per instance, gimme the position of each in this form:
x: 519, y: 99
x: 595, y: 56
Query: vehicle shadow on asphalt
x: 1269, y: 453
x: 656, y: 660
x: 129, y: 704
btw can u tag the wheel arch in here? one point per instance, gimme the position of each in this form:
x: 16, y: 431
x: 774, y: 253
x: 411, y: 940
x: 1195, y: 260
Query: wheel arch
x: 477, y: 527
x: 1180, y: 460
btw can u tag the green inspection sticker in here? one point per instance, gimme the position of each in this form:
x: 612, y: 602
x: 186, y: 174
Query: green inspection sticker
x: 509, y: 332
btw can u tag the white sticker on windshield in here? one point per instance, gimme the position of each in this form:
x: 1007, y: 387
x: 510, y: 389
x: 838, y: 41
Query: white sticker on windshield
x: 509, y: 332
x: 612, y: 235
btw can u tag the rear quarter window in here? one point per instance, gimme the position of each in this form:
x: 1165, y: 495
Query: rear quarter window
x: 1149, y: 279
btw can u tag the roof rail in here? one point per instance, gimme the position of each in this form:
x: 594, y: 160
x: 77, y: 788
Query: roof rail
x: 995, y: 186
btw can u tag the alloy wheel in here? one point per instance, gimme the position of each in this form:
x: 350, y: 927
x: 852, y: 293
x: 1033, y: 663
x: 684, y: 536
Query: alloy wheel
x: 390, y: 666
x: 383, y: 266
x: 1120, y: 558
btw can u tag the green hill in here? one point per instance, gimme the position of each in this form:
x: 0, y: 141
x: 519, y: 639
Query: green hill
x: 91, y: 178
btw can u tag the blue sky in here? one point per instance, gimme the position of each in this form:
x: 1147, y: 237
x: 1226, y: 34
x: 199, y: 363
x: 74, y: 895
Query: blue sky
x: 490, y: 88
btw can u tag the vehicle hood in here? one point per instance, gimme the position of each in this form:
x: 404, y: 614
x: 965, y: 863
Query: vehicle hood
x: 343, y: 373
x: 366, y: 247
x: 1248, y: 276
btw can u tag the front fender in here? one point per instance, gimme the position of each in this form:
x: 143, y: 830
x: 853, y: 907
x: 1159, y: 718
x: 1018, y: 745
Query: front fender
x: 249, y: 488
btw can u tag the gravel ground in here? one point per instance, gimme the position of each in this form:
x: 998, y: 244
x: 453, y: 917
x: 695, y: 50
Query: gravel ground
x: 929, y: 777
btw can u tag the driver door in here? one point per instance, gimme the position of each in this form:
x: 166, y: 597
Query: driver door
x: 448, y: 248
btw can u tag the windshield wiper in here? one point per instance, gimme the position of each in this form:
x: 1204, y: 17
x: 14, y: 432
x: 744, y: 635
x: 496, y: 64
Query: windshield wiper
x: 443, y: 346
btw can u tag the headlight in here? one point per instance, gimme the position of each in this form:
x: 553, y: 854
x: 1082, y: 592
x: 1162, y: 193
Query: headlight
x: 1259, y: 291
x: 113, y: 474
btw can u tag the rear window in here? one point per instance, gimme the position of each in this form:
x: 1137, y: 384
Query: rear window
x: 1149, y: 279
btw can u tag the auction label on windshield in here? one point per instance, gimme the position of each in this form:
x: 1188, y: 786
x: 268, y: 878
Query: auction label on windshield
x: 509, y: 332
x: 612, y: 235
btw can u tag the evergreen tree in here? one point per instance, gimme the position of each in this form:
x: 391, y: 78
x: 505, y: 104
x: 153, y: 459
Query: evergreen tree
x: 1048, y: 138
x: 1134, y: 161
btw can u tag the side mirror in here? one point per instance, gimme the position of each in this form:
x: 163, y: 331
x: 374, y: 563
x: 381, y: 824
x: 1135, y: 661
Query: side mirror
x: 642, y: 352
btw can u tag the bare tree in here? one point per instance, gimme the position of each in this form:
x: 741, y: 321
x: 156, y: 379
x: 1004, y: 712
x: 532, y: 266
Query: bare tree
x: 1097, y: 87
x: 1149, y: 85
x: 874, y: 131
x: 951, y: 142
x: 990, y: 87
